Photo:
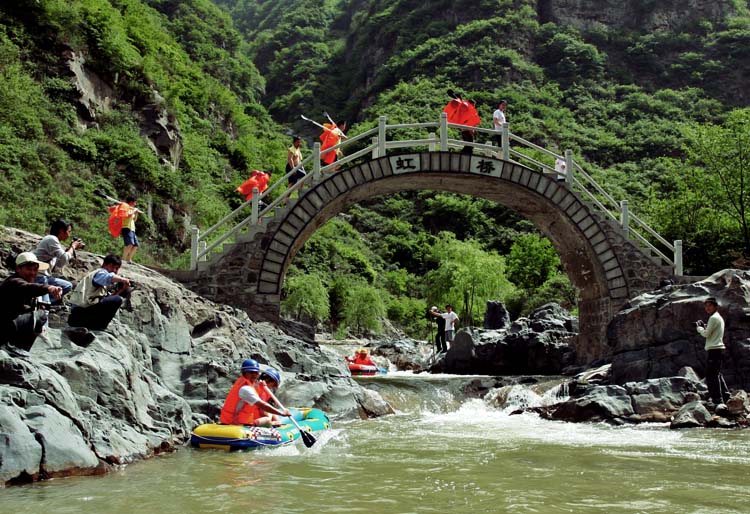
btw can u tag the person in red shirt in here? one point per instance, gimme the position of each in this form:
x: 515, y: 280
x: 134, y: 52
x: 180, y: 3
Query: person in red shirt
x: 361, y: 357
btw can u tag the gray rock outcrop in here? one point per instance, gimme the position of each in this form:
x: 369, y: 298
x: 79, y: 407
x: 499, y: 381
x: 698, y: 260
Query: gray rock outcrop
x: 539, y: 344
x: 163, y: 366
x: 655, y: 335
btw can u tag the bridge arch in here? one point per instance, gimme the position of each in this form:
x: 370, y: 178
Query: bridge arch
x: 606, y: 268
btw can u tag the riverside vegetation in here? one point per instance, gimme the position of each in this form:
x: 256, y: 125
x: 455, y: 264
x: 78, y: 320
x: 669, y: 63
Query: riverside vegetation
x: 189, y: 96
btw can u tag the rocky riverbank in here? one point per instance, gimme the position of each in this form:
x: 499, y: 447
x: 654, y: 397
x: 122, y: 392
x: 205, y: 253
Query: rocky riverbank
x: 163, y: 366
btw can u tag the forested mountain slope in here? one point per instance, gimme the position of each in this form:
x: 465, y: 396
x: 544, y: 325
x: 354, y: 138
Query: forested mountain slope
x: 628, y: 86
x: 148, y: 97
x: 176, y: 100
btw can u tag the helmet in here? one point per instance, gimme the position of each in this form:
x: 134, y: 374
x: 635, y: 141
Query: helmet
x: 250, y: 365
x: 273, y: 374
x: 362, y: 351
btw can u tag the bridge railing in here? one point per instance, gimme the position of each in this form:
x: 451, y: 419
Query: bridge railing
x: 573, y: 174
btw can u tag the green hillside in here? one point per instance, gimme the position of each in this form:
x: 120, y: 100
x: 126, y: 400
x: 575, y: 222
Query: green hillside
x: 183, y: 98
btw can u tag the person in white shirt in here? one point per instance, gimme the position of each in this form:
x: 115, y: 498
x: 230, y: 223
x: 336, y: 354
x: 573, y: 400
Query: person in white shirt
x: 51, y: 251
x: 713, y: 331
x: 498, y: 118
x: 451, y: 319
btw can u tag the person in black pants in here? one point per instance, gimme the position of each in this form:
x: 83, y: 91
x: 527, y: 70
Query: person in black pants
x: 713, y: 331
x: 94, y: 306
x: 440, y: 336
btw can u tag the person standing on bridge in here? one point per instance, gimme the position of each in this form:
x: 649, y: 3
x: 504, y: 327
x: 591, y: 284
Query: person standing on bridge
x: 294, y: 159
x: 714, y: 334
x: 498, y: 118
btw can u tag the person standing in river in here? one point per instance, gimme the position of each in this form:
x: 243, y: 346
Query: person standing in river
x: 713, y: 331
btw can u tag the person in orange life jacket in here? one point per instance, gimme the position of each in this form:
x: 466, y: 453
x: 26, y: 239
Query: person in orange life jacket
x: 243, y: 405
x: 362, y: 358
x: 269, y: 381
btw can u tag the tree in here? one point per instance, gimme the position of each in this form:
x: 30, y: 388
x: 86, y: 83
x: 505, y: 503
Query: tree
x: 364, y: 308
x: 720, y: 160
x: 532, y: 260
x: 466, y: 277
x: 306, y: 296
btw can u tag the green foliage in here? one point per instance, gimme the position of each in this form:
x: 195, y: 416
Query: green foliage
x: 363, y: 309
x: 306, y: 296
x: 532, y: 261
x: 466, y: 277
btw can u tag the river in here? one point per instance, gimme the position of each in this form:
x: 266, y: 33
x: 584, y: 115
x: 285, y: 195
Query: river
x: 438, y: 454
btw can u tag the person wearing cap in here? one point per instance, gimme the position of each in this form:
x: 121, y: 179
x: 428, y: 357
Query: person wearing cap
x: 440, y: 343
x: 361, y: 357
x: 498, y: 118
x: 20, y: 322
x: 51, y: 251
x: 713, y: 331
x: 93, y: 305
x: 243, y: 405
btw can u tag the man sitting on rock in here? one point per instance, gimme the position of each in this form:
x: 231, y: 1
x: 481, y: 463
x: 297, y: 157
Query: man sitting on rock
x: 20, y: 321
x: 243, y: 405
x: 93, y: 305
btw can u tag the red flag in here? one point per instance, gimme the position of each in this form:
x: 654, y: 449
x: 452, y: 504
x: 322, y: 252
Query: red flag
x: 329, y: 138
x: 462, y: 112
x: 116, y: 214
x: 257, y: 179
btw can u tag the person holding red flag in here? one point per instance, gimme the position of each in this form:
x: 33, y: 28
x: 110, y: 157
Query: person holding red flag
x: 122, y: 219
x: 331, y: 136
x: 463, y: 112
x: 257, y: 179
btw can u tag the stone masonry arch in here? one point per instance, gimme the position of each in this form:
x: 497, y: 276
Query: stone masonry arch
x: 606, y: 268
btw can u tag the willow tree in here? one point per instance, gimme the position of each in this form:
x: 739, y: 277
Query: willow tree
x: 719, y: 168
x: 306, y: 296
x: 467, y: 276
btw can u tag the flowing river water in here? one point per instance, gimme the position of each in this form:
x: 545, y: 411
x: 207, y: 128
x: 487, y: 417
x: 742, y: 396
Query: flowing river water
x: 437, y: 454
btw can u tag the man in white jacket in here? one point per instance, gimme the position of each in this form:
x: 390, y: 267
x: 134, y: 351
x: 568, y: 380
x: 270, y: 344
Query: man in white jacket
x: 714, y: 334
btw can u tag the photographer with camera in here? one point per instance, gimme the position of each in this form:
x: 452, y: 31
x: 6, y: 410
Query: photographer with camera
x: 20, y: 320
x: 94, y: 305
x: 51, y: 251
x: 714, y: 334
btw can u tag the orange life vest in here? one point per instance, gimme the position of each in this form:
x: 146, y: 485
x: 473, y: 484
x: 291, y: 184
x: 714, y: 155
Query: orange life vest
x: 263, y: 392
x: 246, y: 415
x: 364, y: 360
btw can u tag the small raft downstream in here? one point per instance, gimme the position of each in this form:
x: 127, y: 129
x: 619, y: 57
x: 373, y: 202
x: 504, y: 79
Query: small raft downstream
x: 243, y: 437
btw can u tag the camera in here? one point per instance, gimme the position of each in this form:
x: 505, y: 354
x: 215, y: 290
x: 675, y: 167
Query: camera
x: 80, y: 242
x: 699, y: 323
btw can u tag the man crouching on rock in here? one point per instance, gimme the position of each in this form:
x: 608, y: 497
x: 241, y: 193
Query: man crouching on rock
x: 94, y: 306
x: 20, y: 321
x: 243, y: 405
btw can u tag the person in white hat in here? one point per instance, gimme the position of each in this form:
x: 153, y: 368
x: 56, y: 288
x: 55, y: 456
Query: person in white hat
x: 20, y: 321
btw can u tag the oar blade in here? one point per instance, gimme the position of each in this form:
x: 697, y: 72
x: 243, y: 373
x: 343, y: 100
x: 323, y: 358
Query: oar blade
x: 308, y: 438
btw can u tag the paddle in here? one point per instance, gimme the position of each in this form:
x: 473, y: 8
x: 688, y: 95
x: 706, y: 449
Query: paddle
x: 307, y: 437
x: 312, y: 121
x: 101, y: 194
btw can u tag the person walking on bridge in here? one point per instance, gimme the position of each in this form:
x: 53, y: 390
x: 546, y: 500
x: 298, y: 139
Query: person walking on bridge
x: 294, y: 159
x: 498, y: 118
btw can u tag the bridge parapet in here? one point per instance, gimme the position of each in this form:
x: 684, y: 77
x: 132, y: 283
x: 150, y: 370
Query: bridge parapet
x: 604, y: 264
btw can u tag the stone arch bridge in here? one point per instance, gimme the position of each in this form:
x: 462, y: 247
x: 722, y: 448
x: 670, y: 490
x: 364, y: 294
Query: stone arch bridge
x: 602, y: 253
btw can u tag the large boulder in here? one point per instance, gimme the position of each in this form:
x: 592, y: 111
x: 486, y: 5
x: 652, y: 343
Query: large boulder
x: 539, y: 344
x: 655, y: 335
